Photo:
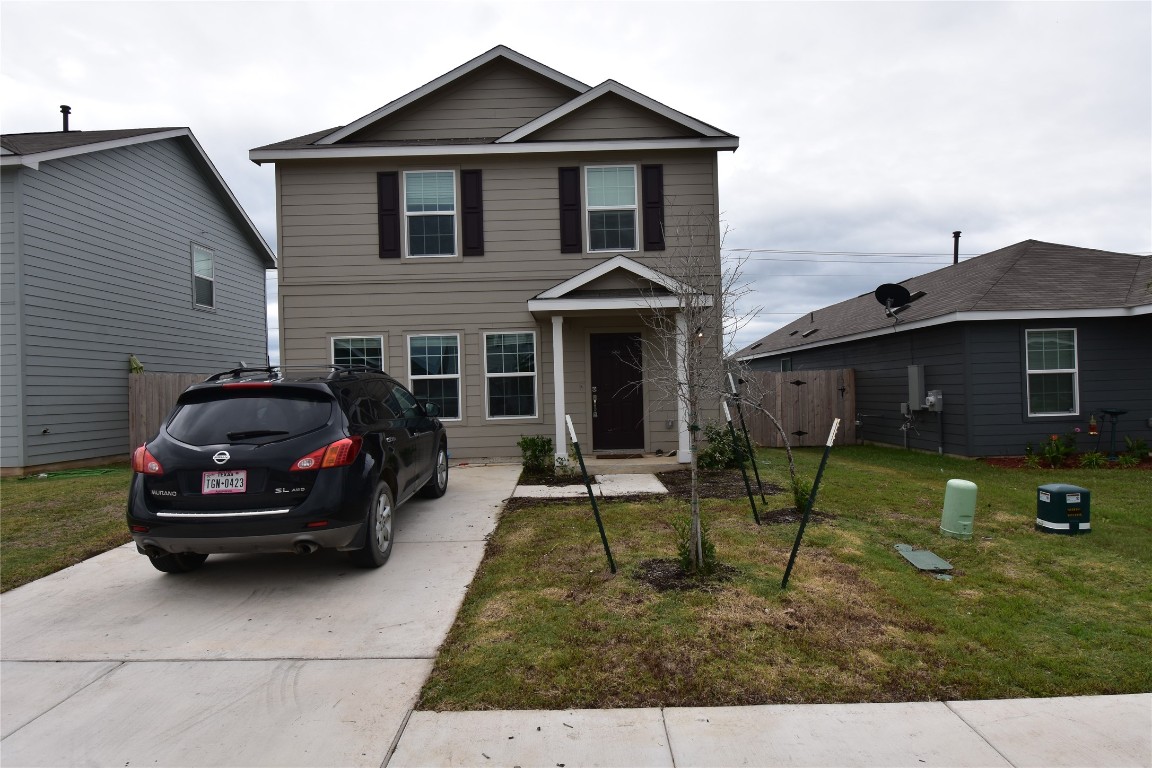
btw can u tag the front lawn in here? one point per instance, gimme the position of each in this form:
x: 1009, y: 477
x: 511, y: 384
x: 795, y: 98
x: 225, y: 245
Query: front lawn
x: 545, y: 626
x: 53, y: 522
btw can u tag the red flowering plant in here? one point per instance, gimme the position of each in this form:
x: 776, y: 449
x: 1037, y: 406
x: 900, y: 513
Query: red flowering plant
x: 1058, y: 449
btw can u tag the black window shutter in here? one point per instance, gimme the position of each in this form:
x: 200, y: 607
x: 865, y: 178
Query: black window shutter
x: 388, y: 205
x: 570, y: 214
x: 652, y: 181
x: 472, y: 212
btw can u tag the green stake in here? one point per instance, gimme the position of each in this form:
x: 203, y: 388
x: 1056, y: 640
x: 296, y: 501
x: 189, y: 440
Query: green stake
x: 591, y: 493
x: 811, y: 502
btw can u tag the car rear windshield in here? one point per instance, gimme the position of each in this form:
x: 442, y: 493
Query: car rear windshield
x: 247, y: 417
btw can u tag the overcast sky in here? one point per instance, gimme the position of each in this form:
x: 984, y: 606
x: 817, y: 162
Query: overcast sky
x: 865, y: 128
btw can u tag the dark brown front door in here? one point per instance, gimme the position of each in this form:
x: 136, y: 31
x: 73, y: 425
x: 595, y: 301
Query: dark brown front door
x: 617, y: 396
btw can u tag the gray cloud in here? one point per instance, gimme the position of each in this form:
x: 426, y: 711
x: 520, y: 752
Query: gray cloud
x: 865, y: 127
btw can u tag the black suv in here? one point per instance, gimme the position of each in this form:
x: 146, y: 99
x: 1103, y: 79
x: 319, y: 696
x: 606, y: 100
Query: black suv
x: 256, y: 460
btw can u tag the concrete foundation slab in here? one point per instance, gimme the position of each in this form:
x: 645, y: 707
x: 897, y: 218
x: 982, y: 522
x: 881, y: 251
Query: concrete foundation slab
x: 617, y: 737
x: 238, y: 713
x: 1048, y: 733
x: 626, y: 485
x: 916, y: 735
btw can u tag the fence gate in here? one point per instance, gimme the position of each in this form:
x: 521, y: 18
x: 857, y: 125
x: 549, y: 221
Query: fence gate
x: 804, y: 402
x: 150, y: 400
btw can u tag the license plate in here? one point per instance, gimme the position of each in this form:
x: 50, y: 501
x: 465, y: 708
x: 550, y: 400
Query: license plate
x: 233, y: 481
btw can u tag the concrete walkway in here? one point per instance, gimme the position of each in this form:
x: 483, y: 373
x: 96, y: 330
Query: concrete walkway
x: 289, y: 661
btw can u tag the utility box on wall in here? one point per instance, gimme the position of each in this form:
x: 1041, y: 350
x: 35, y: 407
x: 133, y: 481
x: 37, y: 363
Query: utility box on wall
x: 915, y: 387
x: 1063, y: 509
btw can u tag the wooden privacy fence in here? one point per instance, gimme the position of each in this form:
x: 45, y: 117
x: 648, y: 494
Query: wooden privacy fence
x: 150, y: 400
x: 804, y: 402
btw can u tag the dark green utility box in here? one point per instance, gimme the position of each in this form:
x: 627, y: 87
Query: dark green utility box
x: 1064, y: 509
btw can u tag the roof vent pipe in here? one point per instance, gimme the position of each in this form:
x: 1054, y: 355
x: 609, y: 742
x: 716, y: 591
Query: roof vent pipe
x: 955, y: 246
x: 65, y: 110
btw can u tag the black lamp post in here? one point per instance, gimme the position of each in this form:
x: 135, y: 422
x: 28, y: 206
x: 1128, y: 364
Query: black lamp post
x: 1114, y: 415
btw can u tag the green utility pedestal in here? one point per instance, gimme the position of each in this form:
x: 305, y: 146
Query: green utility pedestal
x: 1063, y: 509
x: 959, y: 509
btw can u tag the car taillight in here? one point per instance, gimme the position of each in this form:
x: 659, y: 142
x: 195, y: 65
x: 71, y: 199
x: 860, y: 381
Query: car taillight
x: 145, y: 463
x: 338, y: 454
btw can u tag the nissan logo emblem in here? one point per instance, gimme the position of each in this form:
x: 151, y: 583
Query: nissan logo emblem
x: 221, y: 457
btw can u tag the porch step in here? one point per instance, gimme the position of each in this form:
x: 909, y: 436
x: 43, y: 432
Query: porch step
x: 643, y: 465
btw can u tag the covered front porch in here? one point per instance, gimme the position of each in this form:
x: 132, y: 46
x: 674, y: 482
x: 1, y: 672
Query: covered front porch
x: 618, y: 349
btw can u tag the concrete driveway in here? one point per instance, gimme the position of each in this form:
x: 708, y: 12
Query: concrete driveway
x: 254, y: 660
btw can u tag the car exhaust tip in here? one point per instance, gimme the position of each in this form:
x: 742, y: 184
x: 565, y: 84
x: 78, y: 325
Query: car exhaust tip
x: 305, y: 547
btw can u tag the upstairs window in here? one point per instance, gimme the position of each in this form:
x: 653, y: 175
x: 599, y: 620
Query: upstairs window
x: 1052, y: 375
x: 611, y: 196
x: 359, y: 350
x: 430, y: 212
x: 203, y: 277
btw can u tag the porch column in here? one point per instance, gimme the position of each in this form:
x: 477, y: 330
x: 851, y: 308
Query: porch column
x: 560, y: 443
x: 684, y: 451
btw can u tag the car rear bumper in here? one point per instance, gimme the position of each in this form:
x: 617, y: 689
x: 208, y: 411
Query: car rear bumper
x: 302, y: 542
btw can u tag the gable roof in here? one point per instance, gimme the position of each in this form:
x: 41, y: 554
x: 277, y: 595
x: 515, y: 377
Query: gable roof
x: 1028, y: 280
x: 568, y: 295
x: 32, y: 149
x: 342, y: 142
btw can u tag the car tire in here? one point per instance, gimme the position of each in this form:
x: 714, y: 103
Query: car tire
x: 177, y: 562
x: 437, y: 485
x: 378, y: 533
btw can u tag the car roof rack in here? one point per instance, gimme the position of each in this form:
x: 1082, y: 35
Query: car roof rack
x: 237, y: 373
x: 278, y: 371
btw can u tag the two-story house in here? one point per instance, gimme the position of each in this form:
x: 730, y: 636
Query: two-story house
x: 498, y: 238
x: 115, y: 244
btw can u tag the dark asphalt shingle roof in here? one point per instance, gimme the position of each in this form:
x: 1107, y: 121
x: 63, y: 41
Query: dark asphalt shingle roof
x: 33, y: 143
x: 309, y: 142
x: 1030, y: 275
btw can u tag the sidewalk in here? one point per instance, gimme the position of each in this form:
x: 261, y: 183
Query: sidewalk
x: 1105, y: 731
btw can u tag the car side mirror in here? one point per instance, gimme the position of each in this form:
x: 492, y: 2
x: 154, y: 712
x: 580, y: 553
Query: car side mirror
x: 432, y: 409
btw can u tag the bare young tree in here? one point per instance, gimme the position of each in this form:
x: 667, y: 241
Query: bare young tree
x: 692, y: 322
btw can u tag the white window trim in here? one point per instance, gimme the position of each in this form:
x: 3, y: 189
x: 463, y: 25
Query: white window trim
x: 407, y: 246
x: 380, y: 337
x: 459, y: 375
x: 535, y: 375
x: 1075, y: 371
x: 195, y: 277
x: 635, y: 208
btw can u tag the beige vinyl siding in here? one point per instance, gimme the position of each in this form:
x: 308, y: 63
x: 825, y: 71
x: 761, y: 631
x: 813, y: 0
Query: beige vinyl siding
x: 333, y: 283
x: 493, y: 101
x: 611, y: 117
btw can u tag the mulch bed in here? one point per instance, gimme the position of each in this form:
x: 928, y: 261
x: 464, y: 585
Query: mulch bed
x: 712, y: 484
x: 1020, y: 462
x: 666, y: 575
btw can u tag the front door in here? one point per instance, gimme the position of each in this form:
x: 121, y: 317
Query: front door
x: 617, y: 396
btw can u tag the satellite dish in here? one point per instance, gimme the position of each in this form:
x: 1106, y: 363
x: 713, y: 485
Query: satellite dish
x: 892, y: 295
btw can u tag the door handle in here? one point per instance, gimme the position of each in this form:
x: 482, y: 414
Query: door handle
x: 594, y: 414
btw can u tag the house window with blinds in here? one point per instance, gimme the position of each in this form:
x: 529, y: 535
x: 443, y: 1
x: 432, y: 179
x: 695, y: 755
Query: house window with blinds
x: 1052, y: 372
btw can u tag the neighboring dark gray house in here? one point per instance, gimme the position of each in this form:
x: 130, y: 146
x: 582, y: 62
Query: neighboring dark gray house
x: 1001, y: 350
x: 114, y: 243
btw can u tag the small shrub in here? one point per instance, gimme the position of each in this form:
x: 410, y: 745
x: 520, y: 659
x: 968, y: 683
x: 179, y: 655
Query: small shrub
x: 720, y: 452
x: 1136, y: 446
x: 1128, y: 459
x: 801, y: 490
x: 683, y: 528
x: 1093, y: 460
x: 536, y: 451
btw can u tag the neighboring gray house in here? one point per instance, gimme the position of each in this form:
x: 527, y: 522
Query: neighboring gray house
x: 1020, y: 343
x: 495, y: 239
x: 114, y: 243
